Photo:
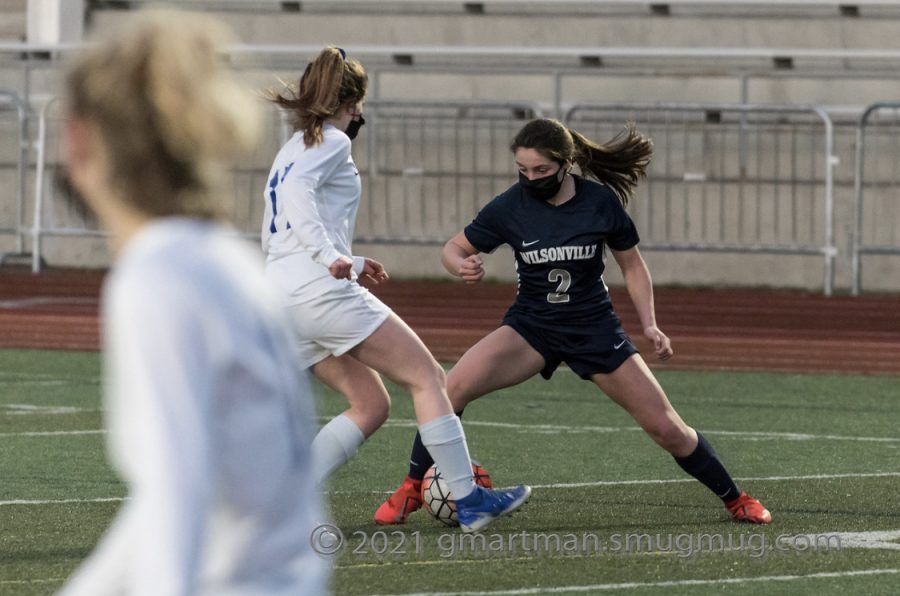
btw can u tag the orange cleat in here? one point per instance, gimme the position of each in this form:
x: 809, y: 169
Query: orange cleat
x: 399, y: 505
x: 747, y: 509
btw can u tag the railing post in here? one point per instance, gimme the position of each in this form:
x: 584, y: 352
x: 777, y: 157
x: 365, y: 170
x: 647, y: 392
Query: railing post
x: 858, y: 247
x: 39, y: 170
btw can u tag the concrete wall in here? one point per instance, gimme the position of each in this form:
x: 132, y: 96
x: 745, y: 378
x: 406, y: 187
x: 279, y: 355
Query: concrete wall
x: 613, y: 82
x: 12, y: 20
x: 761, y: 28
x: 747, y: 28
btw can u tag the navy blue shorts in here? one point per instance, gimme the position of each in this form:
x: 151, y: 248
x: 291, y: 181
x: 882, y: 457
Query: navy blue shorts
x: 586, y: 353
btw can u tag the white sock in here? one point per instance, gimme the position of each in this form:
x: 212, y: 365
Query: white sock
x: 446, y: 442
x: 335, y: 444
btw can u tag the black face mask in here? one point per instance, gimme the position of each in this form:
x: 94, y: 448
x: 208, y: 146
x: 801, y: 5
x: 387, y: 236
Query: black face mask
x: 542, y: 189
x: 354, y: 126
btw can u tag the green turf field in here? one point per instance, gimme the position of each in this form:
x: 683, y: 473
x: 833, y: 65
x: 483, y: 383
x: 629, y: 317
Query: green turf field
x: 610, y: 511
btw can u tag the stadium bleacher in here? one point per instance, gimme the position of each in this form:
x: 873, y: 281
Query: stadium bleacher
x: 839, y: 57
x: 12, y: 20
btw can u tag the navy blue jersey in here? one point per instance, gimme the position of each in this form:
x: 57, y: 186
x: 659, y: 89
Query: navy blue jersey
x: 559, y: 253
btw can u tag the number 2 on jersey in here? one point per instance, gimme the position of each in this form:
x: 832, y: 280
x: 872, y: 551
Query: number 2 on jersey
x: 564, y: 278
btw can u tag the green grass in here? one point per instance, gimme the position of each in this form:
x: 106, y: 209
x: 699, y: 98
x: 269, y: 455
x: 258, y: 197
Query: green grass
x: 806, y: 445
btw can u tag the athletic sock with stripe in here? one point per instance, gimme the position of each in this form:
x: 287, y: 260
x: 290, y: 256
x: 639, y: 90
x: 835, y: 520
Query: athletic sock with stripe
x: 335, y: 444
x: 419, y: 458
x: 704, y: 465
x: 445, y: 440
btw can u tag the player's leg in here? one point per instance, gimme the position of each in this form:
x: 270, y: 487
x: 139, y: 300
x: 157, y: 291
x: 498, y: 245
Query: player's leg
x: 396, y: 351
x: 501, y: 359
x: 633, y: 387
x: 338, y: 441
x: 333, y: 317
x: 370, y: 402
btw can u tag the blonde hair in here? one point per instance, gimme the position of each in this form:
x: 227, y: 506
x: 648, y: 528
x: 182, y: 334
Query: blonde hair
x: 167, y: 108
x: 330, y: 82
x: 620, y: 163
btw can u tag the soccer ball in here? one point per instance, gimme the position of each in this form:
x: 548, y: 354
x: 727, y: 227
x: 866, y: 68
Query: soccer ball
x: 436, y: 494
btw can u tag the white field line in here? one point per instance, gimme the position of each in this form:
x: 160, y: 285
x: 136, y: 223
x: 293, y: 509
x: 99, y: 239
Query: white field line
x: 32, y: 378
x: 740, y: 479
x: 663, y: 584
x: 548, y: 428
x: 13, y: 374
x: 53, y: 433
x: 563, y: 485
x: 19, y: 582
x: 566, y: 485
x: 27, y: 375
x: 61, y: 501
x: 589, y: 588
x: 750, y: 435
x: 886, y: 539
x: 29, y: 409
x: 38, y: 382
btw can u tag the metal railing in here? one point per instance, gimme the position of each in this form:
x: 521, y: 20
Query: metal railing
x: 429, y: 166
x: 725, y: 178
x: 721, y: 57
x: 730, y: 178
x: 14, y: 157
x: 876, y: 186
x: 649, y: 6
x: 426, y: 167
x: 54, y: 215
x: 563, y: 69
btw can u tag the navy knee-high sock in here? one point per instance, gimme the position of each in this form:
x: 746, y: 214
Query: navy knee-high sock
x: 704, y: 465
x: 419, y: 458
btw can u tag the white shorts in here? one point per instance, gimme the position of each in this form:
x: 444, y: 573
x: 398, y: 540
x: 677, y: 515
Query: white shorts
x: 331, y: 316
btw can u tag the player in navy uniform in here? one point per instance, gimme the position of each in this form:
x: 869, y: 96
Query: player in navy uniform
x: 559, y: 225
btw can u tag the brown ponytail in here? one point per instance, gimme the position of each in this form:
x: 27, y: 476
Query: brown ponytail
x: 328, y: 83
x: 619, y: 163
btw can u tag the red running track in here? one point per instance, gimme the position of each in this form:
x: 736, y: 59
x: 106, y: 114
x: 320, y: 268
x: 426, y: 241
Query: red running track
x: 737, y: 329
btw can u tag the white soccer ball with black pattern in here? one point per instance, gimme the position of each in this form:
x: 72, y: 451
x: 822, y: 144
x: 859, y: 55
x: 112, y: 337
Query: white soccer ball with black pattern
x: 436, y: 494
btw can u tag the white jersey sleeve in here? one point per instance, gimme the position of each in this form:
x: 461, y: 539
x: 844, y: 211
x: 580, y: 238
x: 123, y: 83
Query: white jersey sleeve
x: 299, y: 188
x: 159, y: 436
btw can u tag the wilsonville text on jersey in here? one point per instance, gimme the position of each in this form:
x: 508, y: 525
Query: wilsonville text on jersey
x: 559, y: 253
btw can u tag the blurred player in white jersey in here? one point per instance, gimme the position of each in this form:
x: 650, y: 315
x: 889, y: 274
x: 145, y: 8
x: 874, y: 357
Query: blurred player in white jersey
x: 347, y: 336
x: 208, y: 416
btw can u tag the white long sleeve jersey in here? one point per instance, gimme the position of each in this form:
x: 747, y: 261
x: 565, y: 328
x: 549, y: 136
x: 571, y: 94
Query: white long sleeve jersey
x: 209, y: 425
x: 312, y: 197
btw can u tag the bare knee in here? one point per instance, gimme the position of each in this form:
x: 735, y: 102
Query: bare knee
x: 427, y: 377
x: 435, y: 376
x: 460, y: 390
x: 371, y: 412
x: 675, y: 438
x: 379, y: 409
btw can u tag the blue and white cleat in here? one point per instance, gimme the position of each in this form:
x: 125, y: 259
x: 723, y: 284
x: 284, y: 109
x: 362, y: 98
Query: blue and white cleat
x: 477, y: 510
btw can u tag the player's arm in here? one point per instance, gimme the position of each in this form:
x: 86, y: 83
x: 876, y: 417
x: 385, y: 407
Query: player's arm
x: 461, y: 259
x: 298, y: 191
x: 160, y: 432
x: 370, y: 268
x: 640, y: 288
